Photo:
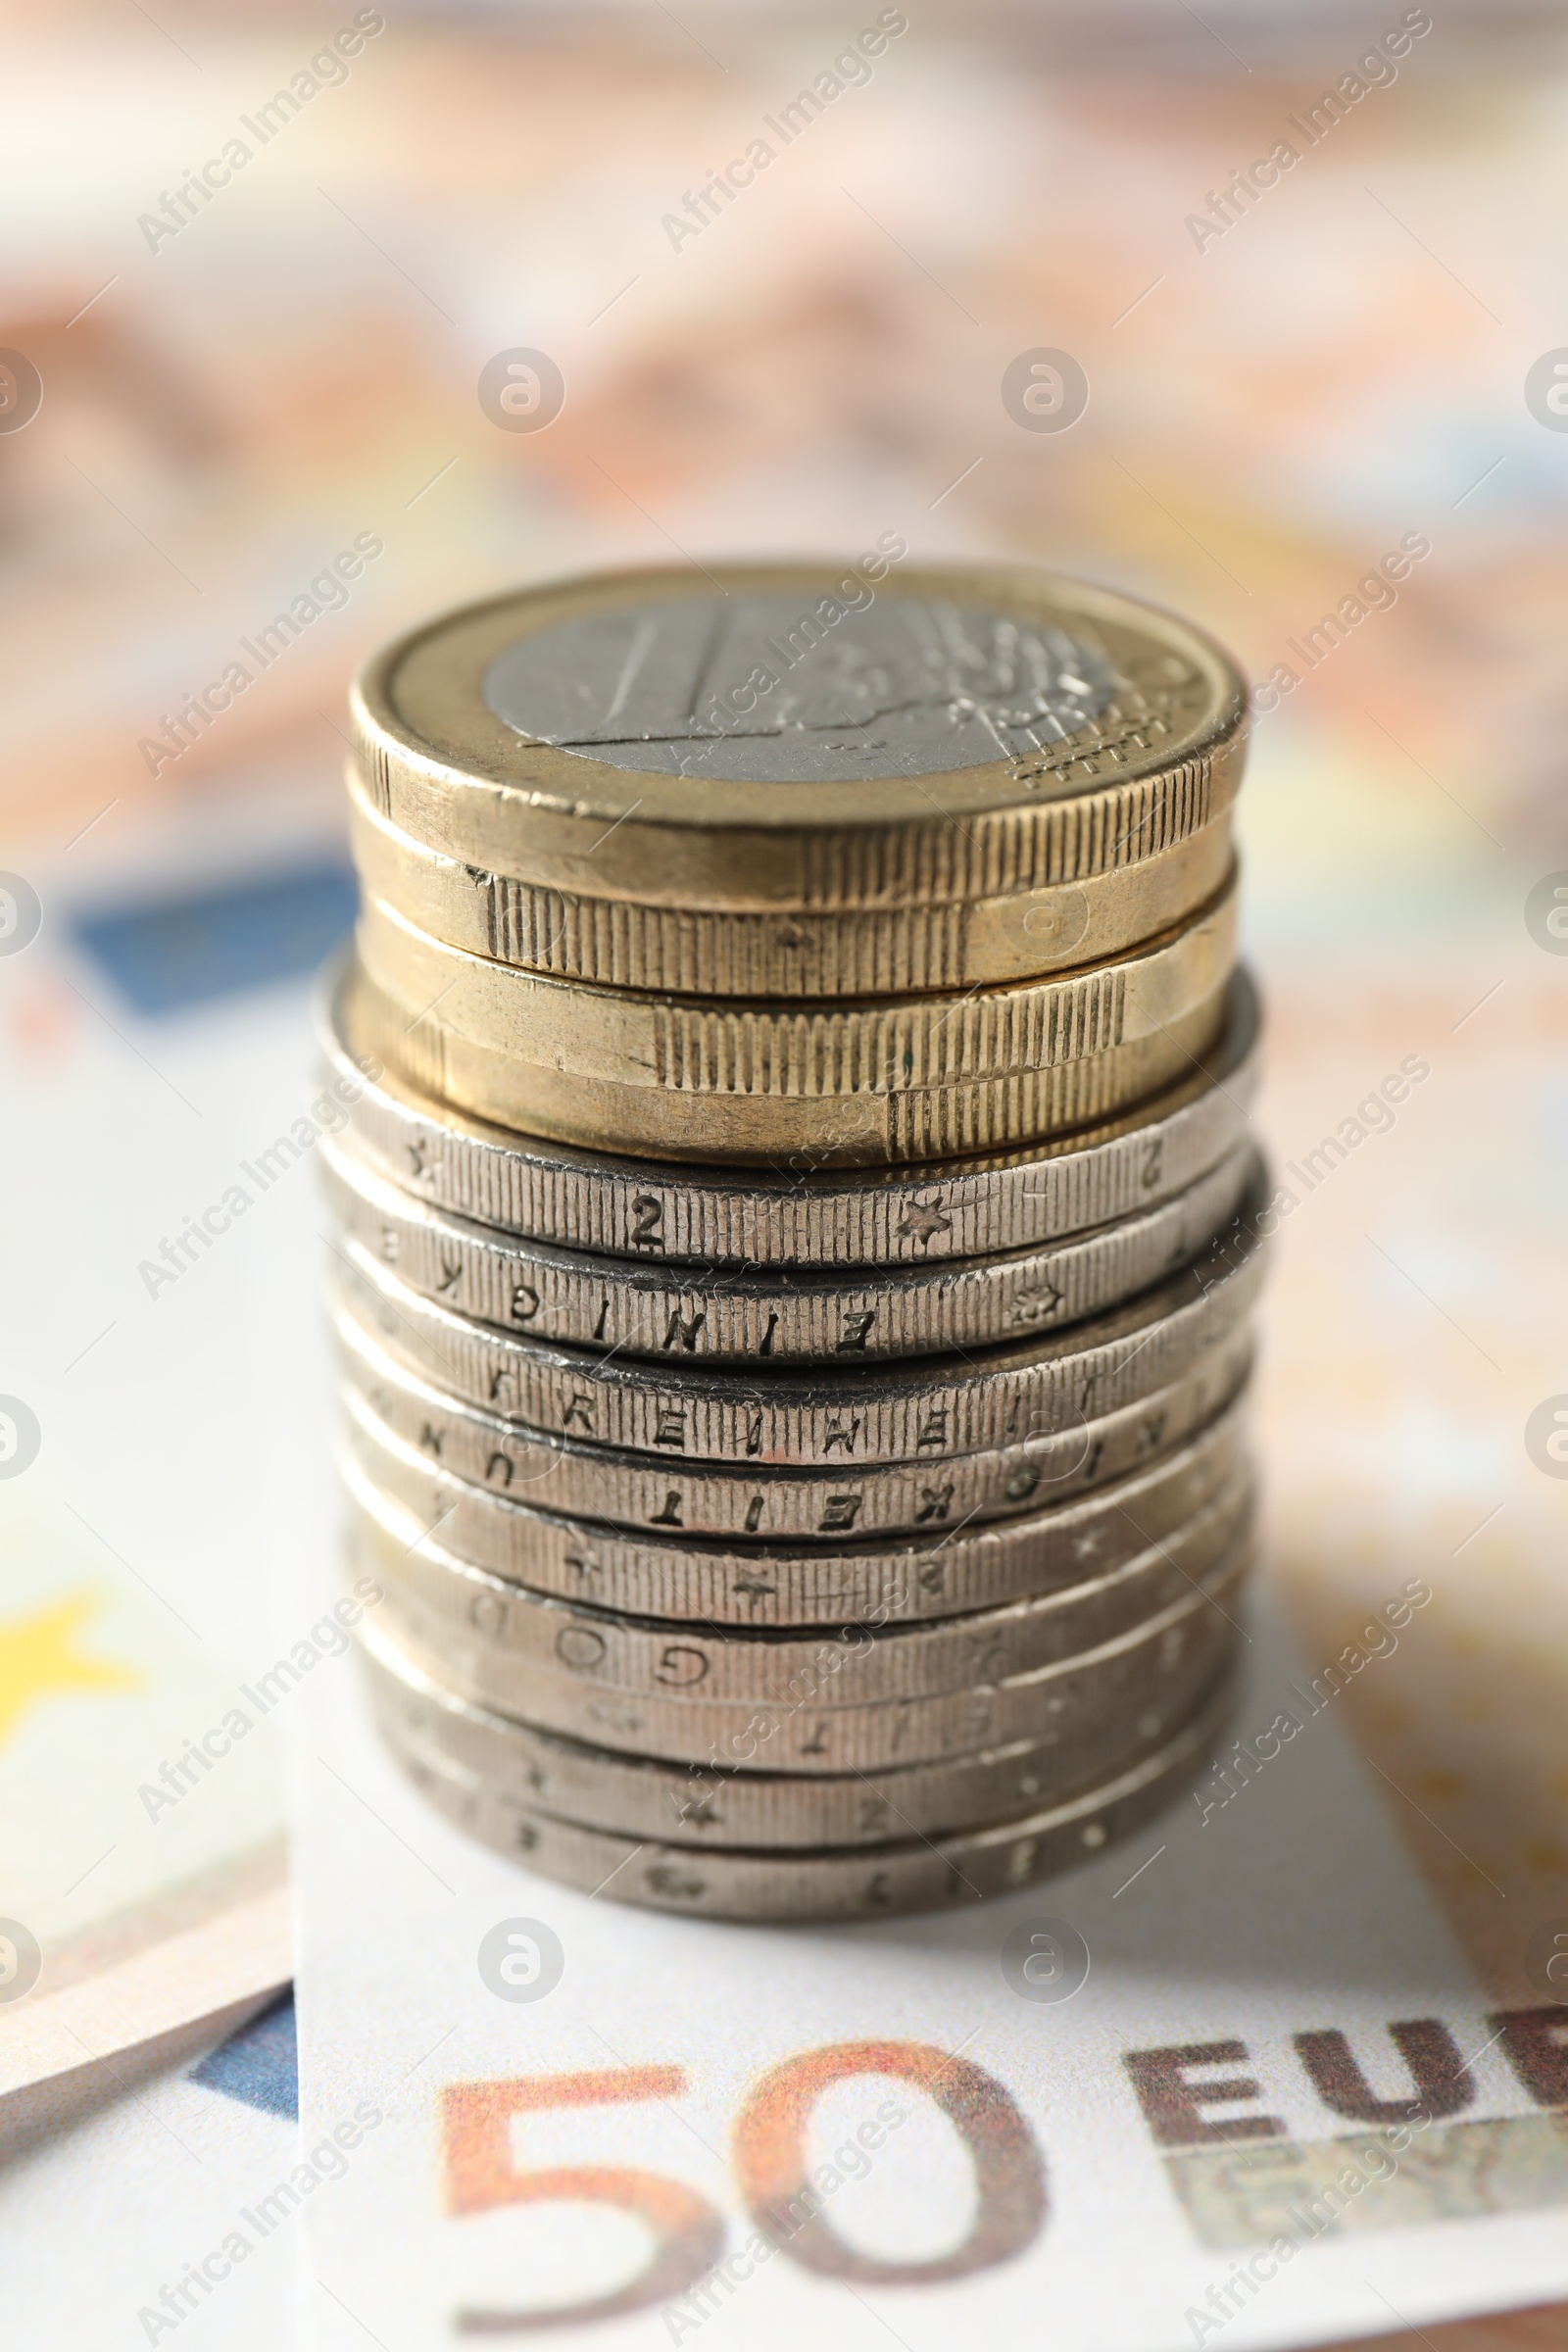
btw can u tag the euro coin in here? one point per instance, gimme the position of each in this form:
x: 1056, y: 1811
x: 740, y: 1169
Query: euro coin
x: 793, y: 1213
x: 822, y: 1724
x: 899, y: 1078
x: 718, y: 952
x: 386, y: 1407
x: 675, y: 1407
x: 945, y: 1568
x: 776, y: 1316
x: 695, y: 1807
x: 489, y: 1626
x: 831, y: 1883
x: 765, y: 736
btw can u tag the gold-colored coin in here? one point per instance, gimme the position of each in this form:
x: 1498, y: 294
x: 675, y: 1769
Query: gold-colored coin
x: 896, y: 1079
x: 802, y: 736
x: 753, y: 952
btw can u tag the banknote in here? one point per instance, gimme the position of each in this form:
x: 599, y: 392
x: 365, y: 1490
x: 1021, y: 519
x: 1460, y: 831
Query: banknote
x: 1411, y: 1369
x: 142, y: 1853
x: 146, y: 1645
x: 174, y: 2179
x: 1236, y: 2079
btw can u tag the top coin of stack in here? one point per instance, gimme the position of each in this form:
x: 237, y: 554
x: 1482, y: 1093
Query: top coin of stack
x: 781, y: 864
x: 799, y: 1231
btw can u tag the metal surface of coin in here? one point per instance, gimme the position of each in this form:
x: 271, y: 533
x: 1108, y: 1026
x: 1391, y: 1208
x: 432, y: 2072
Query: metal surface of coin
x: 823, y: 1724
x: 912, y: 1579
x: 783, y: 1316
x: 752, y: 688
x: 920, y: 1411
x: 901, y: 758
x: 901, y: 1044
x: 753, y: 952
x: 865, y: 1883
x: 690, y: 1806
x: 792, y: 1214
x: 492, y: 1627
x: 756, y: 1503
x: 893, y: 1128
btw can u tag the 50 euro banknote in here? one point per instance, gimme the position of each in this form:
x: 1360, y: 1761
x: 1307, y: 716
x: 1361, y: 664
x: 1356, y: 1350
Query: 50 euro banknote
x: 1250, y: 2088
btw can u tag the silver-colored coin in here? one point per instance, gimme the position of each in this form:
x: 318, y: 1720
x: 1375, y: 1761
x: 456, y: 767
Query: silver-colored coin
x: 906, y: 686
x: 826, y: 1725
x: 491, y: 1631
x: 774, y: 1316
x: 912, y: 1579
x: 796, y: 1214
x: 923, y: 1875
x: 765, y: 1503
x: 838, y: 1414
x: 687, y: 1806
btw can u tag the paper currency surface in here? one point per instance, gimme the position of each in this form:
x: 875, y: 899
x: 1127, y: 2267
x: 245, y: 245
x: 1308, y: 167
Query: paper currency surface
x: 146, y: 1640
x: 141, y: 1819
x: 177, y: 2179
x: 746, y: 2136
x: 1412, y: 1332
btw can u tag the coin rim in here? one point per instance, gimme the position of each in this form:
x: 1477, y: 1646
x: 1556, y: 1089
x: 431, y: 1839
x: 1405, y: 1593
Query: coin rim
x: 720, y: 845
x: 939, y: 1308
x: 775, y: 1883
x: 709, y: 1200
x: 785, y: 1801
x: 618, y: 1036
x: 866, y: 1735
x: 1197, y: 1464
x: 1043, y: 1366
x: 457, y: 901
x: 902, y: 1659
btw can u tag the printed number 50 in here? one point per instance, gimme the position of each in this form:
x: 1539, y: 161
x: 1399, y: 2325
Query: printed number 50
x: 770, y: 2159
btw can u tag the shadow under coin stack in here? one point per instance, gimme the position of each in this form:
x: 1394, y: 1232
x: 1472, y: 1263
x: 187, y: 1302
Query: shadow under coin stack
x: 796, y: 1226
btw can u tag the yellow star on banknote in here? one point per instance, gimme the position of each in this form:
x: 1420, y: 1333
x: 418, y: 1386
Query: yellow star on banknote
x: 39, y: 1657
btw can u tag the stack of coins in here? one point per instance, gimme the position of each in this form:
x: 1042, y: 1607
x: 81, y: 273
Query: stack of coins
x: 796, y: 1229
